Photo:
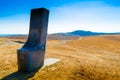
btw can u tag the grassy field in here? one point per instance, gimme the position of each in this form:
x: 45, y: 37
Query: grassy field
x: 87, y: 58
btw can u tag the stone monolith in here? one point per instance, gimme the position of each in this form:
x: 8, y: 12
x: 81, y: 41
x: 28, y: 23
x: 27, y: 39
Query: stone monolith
x: 31, y: 56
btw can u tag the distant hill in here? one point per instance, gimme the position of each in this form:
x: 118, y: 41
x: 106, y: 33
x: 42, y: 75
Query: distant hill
x: 84, y: 33
x: 49, y: 37
x: 60, y: 36
x: 4, y: 35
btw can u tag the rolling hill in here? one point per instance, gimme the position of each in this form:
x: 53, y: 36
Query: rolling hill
x: 60, y: 36
x: 85, y: 58
x: 84, y: 33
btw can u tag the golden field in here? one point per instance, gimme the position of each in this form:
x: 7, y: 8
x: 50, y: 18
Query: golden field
x: 86, y: 58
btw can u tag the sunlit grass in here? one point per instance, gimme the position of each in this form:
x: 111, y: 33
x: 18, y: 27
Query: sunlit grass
x: 90, y: 58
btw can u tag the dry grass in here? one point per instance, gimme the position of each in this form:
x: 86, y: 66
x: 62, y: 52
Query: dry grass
x: 90, y: 58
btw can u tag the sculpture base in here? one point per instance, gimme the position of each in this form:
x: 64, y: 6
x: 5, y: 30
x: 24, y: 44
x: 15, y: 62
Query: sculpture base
x: 30, y: 60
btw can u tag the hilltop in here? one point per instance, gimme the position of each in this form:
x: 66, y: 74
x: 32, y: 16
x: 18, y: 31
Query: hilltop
x: 86, y: 58
x: 85, y: 33
x: 61, y: 36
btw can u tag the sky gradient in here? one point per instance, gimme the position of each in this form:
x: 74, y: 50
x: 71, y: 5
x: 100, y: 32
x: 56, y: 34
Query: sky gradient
x: 65, y: 15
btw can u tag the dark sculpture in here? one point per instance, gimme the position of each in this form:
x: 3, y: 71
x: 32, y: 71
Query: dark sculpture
x: 31, y: 55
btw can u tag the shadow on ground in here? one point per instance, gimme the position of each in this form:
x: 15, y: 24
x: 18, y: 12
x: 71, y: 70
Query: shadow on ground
x: 19, y: 75
x: 21, y: 42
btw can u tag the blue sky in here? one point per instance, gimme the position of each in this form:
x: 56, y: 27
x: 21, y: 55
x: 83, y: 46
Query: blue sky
x: 65, y: 15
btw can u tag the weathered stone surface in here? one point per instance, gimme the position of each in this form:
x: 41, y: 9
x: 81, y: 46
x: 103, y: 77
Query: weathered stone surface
x: 31, y: 55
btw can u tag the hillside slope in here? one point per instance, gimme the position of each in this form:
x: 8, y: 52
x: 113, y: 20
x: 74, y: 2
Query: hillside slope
x: 87, y: 58
x: 85, y: 33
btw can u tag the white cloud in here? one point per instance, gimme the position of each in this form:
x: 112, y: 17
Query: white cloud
x: 94, y: 16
